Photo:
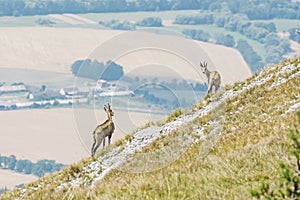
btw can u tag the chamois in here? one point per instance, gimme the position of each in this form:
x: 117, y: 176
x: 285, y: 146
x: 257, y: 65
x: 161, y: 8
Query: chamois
x: 213, y: 77
x: 103, y: 130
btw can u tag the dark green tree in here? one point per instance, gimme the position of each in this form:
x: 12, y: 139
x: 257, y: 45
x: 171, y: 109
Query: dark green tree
x: 28, y: 167
x: 112, y: 71
x: 197, y: 34
x: 250, y: 56
x: 226, y: 40
x: 12, y: 162
x: 272, y: 39
x: 20, y: 166
x: 150, y: 22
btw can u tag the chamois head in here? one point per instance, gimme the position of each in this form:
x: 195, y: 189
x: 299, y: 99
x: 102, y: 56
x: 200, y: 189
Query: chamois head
x: 108, y: 110
x: 203, y: 66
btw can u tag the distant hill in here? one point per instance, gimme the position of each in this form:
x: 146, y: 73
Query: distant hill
x: 218, y: 149
x: 254, y: 9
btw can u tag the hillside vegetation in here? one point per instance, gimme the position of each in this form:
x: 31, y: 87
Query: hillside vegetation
x: 219, y: 149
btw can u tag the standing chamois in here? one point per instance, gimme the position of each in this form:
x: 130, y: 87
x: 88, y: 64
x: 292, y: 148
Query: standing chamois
x: 213, y: 77
x: 103, y: 130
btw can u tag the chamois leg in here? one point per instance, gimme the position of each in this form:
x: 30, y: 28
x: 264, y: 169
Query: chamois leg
x: 103, y: 142
x: 209, y: 90
x: 94, y: 137
x: 99, y: 139
x: 109, y: 137
x: 210, y: 85
x: 217, y: 87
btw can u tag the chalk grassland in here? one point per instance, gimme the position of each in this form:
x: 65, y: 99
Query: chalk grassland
x: 258, y: 115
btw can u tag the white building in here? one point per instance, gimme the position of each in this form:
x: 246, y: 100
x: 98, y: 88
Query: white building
x: 13, y: 88
x: 69, y: 91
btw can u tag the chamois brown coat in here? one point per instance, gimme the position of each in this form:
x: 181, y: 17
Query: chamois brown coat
x: 213, y: 77
x: 103, y: 130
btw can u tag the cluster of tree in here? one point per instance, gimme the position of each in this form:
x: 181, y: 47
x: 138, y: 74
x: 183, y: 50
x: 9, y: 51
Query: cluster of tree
x: 118, y: 24
x: 265, y: 33
x: 146, y: 95
x: 161, y: 92
x: 185, y: 86
x: 236, y: 23
x: 150, y: 22
x: 174, y: 84
x: 263, y: 9
x: 201, y: 18
x: 97, y: 70
x: 128, y: 25
x: 251, y: 57
x: 197, y: 34
x: 275, y: 48
x: 39, y: 168
x: 219, y: 38
x: 33, y: 7
x: 241, y: 23
x: 225, y: 40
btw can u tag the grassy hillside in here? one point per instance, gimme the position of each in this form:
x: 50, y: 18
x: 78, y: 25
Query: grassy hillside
x: 218, y: 149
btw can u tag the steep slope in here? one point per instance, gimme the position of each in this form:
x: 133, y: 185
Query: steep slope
x: 219, y: 149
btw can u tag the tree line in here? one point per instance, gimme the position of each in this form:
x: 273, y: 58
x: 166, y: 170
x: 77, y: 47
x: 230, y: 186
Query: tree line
x: 262, y: 32
x: 39, y: 168
x: 263, y: 9
x: 129, y: 25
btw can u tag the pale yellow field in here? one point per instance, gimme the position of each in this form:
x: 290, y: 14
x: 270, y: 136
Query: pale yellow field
x: 10, y: 179
x: 55, y: 49
x: 64, y: 135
